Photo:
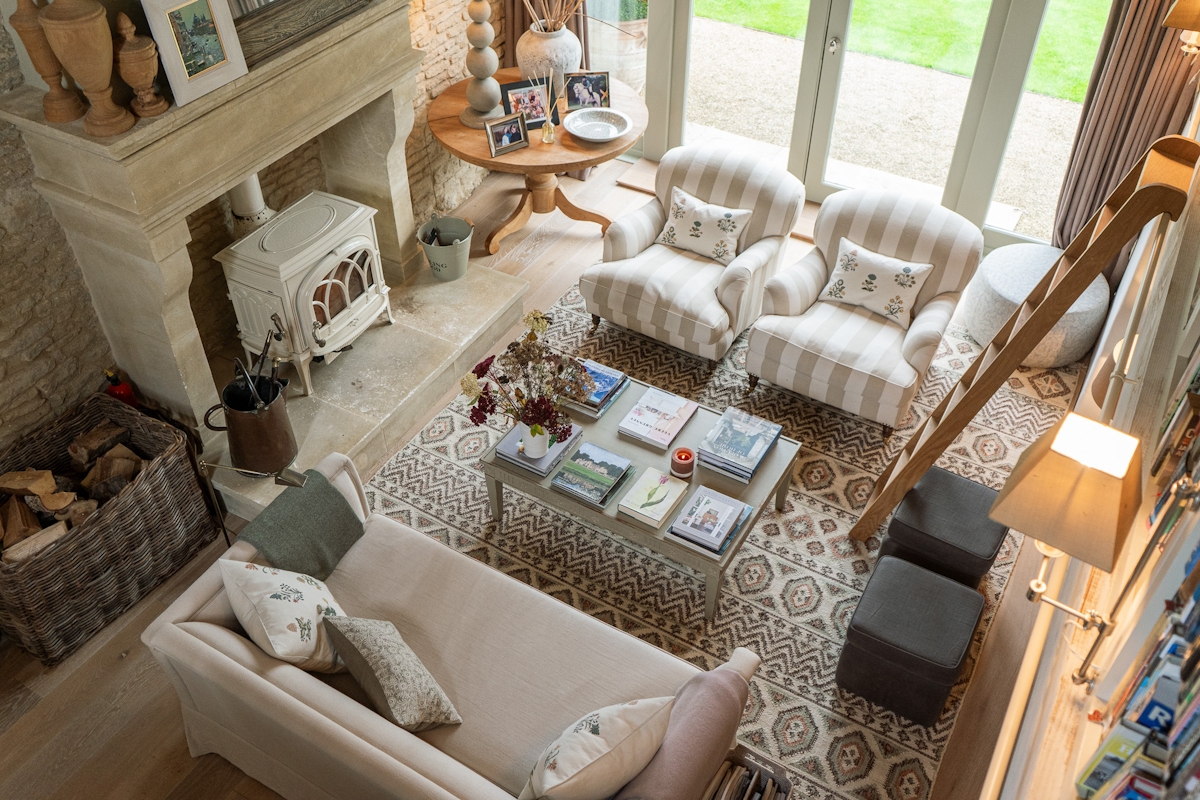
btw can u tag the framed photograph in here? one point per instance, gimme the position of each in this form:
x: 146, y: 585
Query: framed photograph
x: 506, y: 134
x: 586, y: 90
x: 197, y: 43
x: 529, y: 98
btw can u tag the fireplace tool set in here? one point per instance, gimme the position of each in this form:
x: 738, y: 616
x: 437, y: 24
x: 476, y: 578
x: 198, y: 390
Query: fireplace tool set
x: 261, y: 441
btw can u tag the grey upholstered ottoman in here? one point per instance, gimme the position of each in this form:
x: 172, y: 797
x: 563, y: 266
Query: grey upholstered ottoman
x: 908, y: 639
x: 942, y: 524
x: 1001, y: 284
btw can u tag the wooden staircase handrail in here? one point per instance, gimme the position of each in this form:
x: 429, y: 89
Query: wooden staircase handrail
x: 1156, y: 185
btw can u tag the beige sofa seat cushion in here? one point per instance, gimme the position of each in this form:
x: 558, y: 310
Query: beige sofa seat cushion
x: 359, y: 727
x: 674, y: 290
x: 518, y: 665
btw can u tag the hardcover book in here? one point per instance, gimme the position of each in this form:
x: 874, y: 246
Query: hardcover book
x: 708, y: 518
x: 653, y: 497
x: 591, y: 473
x: 606, y: 379
x: 658, y: 417
x: 739, y: 441
x: 510, y: 449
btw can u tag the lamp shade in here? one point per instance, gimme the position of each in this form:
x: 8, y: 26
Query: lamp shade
x: 1077, y: 489
x: 1183, y: 14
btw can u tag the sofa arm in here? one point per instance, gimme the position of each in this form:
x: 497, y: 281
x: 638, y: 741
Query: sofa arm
x: 340, y: 471
x: 741, y: 286
x: 743, y: 661
x: 925, y: 332
x: 632, y: 233
x: 791, y: 292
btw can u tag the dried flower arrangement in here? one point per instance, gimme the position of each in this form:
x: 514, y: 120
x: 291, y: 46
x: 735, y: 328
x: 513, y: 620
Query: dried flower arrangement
x: 527, y: 383
x: 554, y: 13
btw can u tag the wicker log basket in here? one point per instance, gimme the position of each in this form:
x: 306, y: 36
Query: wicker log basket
x: 56, y: 600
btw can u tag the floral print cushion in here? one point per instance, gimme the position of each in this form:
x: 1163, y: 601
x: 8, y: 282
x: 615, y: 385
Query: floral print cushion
x: 387, y: 669
x: 600, y: 752
x: 709, y: 230
x: 283, y: 613
x: 881, y: 284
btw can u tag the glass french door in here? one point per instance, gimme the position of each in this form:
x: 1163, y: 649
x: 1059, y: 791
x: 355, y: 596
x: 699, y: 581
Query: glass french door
x: 972, y: 103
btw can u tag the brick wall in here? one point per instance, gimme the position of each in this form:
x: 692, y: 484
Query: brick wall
x: 52, y: 349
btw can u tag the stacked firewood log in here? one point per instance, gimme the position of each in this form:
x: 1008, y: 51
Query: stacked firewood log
x: 41, y: 506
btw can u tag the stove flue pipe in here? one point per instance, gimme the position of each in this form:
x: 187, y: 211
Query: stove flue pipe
x: 248, y: 206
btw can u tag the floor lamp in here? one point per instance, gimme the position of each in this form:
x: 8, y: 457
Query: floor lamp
x: 1077, y: 490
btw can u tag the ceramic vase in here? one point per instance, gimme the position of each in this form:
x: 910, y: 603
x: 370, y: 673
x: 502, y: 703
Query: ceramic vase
x: 557, y: 51
x: 137, y: 63
x: 60, y: 104
x: 534, y: 446
x: 78, y: 33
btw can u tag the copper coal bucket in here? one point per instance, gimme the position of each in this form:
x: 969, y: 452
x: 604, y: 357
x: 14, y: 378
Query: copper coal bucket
x: 256, y: 420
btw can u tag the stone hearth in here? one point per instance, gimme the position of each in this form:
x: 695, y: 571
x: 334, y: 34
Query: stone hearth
x: 368, y: 398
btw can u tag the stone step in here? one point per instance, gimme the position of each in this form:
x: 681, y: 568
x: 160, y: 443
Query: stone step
x: 367, y: 398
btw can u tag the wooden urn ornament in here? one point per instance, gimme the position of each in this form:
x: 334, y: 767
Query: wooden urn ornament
x: 78, y: 33
x: 137, y: 63
x: 60, y: 104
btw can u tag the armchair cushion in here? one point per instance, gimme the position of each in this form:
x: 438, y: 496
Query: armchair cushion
x: 632, y: 233
x: 704, y: 228
x: 794, y: 289
x: 674, y: 290
x: 882, y: 284
x: 837, y: 354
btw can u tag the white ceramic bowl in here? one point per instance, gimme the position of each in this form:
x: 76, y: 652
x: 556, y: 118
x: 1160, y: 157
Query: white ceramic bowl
x: 597, y: 124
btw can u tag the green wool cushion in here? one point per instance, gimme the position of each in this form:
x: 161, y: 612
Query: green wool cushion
x: 306, y: 529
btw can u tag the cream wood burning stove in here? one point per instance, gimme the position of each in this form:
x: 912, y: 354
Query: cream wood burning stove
x: 315, y: 266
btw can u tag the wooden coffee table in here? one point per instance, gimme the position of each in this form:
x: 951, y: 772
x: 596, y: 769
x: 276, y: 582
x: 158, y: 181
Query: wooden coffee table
x: 771, y: 481
x: 538, y: 162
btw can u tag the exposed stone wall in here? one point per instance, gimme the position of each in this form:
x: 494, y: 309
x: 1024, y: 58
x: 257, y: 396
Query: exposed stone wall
x: 52, y: 349
x: 283, y: 183
x: 440, y: 181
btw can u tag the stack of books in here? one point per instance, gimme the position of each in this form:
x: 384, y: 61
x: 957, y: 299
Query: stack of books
x: 610, y: 383
x: 653, y: 498
x: 657, y: 418
x: 710, y: 519
x: 737, y: 444
x: 512, y: 451
x: 592, y: 475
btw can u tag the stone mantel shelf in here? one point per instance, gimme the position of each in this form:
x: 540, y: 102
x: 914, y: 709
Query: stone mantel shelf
x: 123, y: 201
x: 23, y: 105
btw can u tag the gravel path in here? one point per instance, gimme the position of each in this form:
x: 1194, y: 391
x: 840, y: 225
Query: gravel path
x: 891, y: 116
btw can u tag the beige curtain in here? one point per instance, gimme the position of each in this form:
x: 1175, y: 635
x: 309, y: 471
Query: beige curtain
x: 517, y: 21
x: 1141, y: 89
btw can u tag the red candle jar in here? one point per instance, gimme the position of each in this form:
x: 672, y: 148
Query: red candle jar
x: 683, y: 462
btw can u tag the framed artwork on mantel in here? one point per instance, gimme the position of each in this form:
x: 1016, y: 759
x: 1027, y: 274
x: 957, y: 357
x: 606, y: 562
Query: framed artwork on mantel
x: 198, y: 45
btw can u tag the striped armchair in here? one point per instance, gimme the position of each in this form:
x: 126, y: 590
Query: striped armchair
x: 679, y: 297
x: 847, y: 356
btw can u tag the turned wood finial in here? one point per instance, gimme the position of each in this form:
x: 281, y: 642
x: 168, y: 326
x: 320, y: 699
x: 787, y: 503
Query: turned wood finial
x: 137, y: 64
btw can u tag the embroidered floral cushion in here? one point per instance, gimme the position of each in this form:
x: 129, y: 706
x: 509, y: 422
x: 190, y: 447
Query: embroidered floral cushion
x: 387, y: 669
x: 709, y: 230
x: 596, y: 756
x: 882, y: 284
x: 283, y: 613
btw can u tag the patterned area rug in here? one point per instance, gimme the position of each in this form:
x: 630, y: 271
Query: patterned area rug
x: 792, y: 589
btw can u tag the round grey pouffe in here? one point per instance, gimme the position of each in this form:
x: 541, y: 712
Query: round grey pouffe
x: 1003, y: 281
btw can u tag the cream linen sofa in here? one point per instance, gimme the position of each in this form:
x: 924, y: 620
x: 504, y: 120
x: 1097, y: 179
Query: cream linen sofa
x: 519, y: 666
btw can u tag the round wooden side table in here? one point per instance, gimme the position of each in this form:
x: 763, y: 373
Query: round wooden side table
x: 539, y: 162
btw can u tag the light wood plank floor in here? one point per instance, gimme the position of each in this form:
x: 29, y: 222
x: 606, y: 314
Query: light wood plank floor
x: 106, y: 722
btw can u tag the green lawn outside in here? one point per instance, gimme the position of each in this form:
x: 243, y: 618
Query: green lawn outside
x: 942, y: 34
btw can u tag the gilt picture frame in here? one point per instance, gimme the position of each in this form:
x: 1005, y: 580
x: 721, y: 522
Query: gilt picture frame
x: 508, y: 133
x: 197, y: 43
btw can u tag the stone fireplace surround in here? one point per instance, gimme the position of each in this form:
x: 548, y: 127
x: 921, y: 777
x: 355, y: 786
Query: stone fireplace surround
x: 123, y: 201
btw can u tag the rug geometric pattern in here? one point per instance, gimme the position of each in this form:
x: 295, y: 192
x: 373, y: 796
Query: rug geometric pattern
x: 791, y: 590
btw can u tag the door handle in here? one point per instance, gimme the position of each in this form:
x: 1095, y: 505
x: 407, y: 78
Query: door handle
x: 833, y: 45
